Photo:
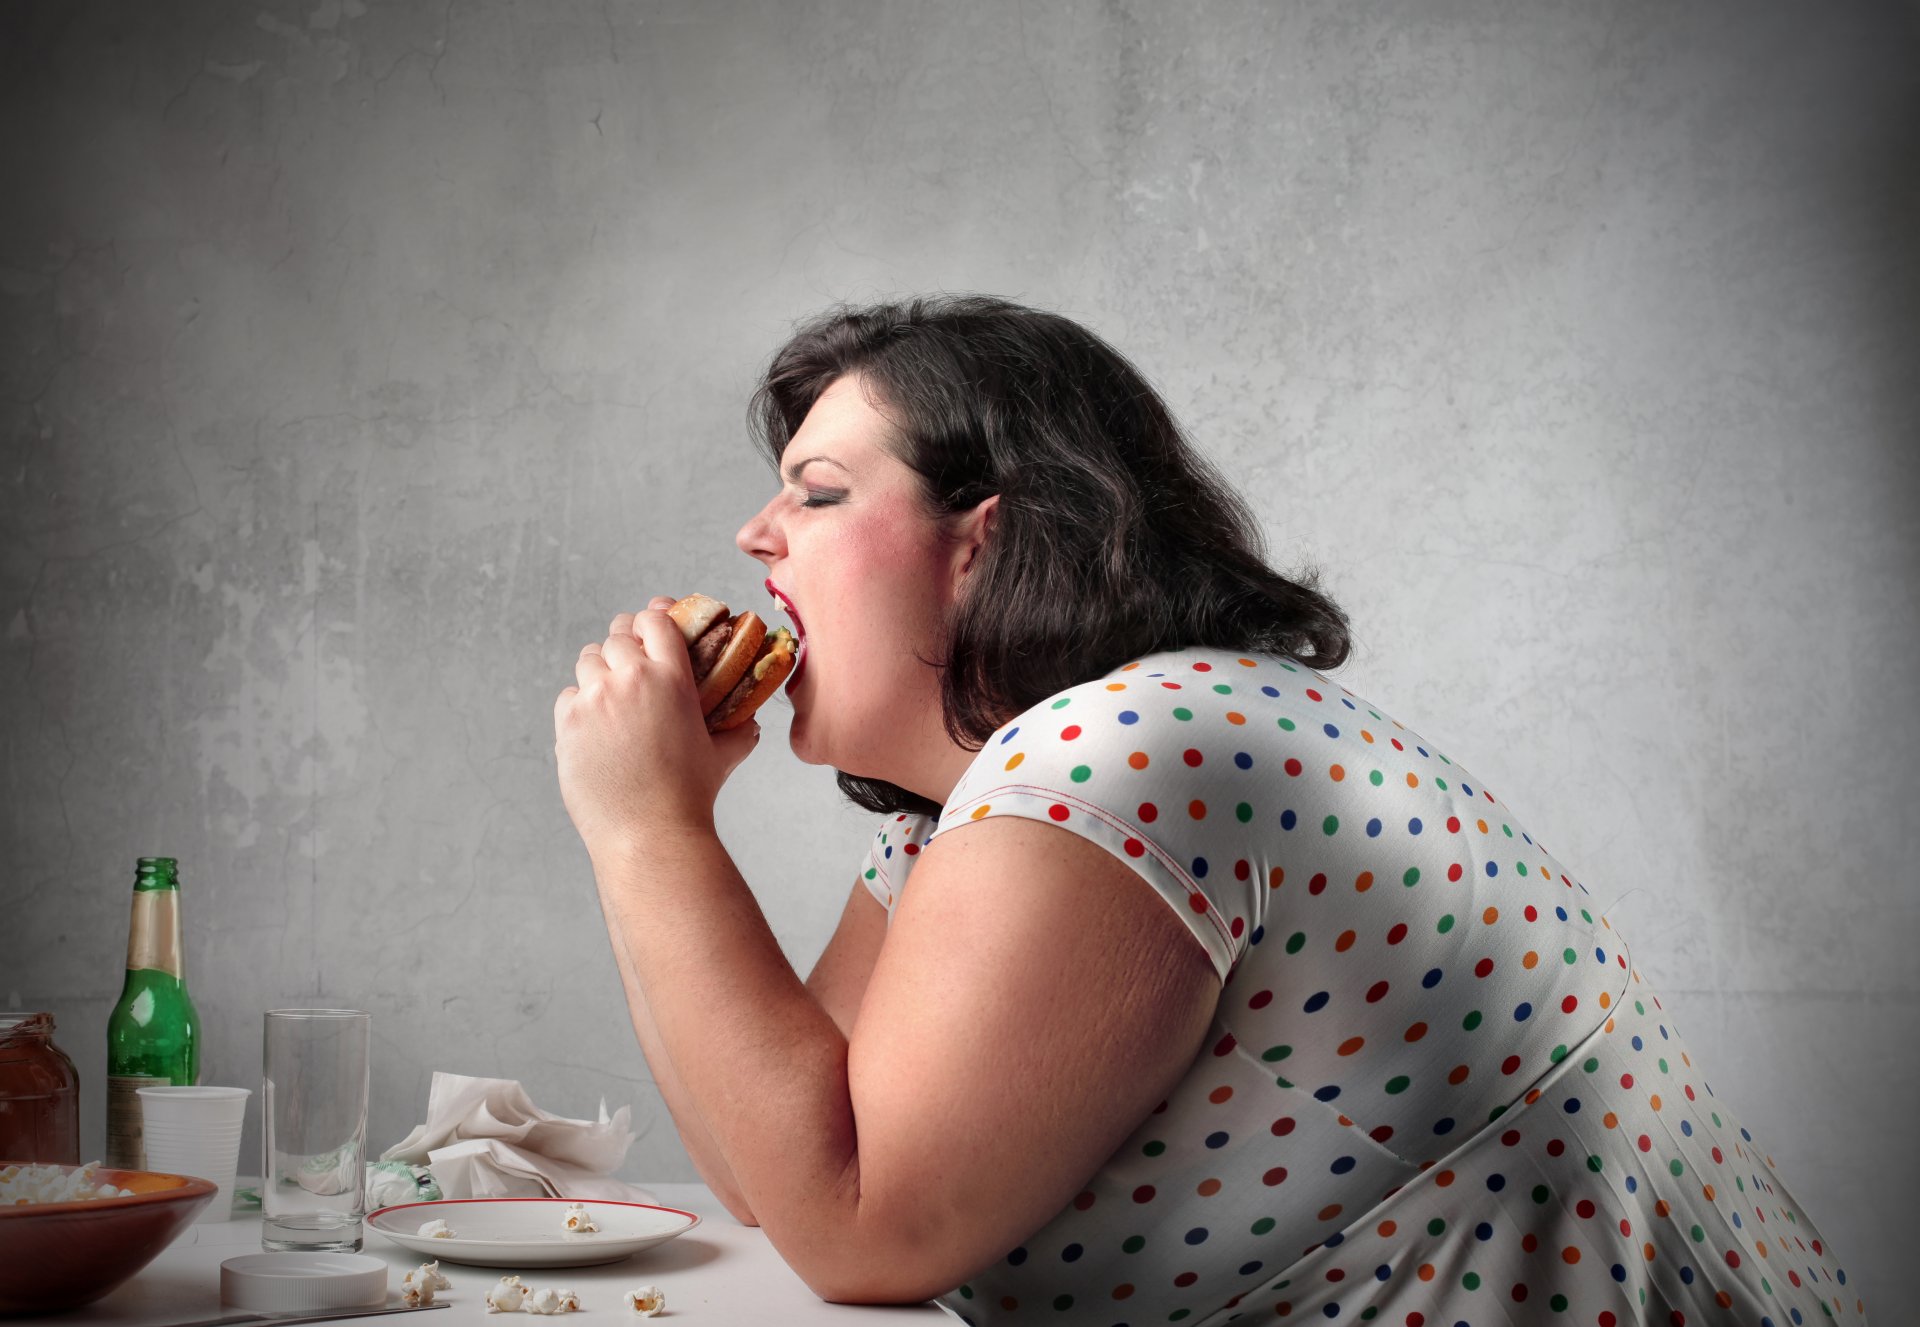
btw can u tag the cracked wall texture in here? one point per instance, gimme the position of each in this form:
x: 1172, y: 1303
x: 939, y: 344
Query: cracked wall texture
x: 361, y: 360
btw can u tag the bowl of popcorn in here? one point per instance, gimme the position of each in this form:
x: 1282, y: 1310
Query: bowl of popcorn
x: 71, y: 1234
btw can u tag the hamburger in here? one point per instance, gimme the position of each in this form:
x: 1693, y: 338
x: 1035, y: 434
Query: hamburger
x: 737, y: 663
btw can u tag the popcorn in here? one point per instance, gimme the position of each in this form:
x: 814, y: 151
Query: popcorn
x: 647, y: 1301
x: 507, y: 1296
x: 552, y: 1301
x: 437, y: 1229
x: 420, y: 1284
x: 24, y: 1184
x: 577, y: 1222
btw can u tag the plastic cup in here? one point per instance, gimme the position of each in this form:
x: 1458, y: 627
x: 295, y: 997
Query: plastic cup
x: 196, y: 1131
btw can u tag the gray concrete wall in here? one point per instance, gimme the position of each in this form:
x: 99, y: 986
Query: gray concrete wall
x: 360, y: 360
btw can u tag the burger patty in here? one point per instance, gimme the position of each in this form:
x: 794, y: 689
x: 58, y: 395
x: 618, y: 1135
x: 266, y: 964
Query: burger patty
x: 706, y: 650
x: 736, y: 696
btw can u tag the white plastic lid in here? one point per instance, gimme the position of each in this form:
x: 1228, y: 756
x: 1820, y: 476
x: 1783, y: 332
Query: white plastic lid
x: 288, y: 1282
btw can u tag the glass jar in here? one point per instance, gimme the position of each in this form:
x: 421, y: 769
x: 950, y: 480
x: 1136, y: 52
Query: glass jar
x: 39, y: 1093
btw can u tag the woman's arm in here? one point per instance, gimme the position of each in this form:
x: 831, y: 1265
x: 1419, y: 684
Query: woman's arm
x: 840, y: 976
x: 838, y: 981
x: 686, y: 1118
x: 1034, y: 1001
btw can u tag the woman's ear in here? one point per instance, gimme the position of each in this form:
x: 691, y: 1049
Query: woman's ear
x: 972, y: 530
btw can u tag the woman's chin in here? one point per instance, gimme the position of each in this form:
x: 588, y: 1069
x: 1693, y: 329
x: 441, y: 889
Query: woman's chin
x: 799, y: 741
x: 803, y: 736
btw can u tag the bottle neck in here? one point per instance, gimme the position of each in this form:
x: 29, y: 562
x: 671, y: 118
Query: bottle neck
x: 155, y: 873
x: 153, y: 937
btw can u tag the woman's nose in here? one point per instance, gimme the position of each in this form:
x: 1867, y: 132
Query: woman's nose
x: 758, y: 538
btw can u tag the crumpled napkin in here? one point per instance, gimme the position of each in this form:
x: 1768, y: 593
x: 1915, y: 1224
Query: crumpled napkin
x: 484, y: 1138
x: 390, y: 1183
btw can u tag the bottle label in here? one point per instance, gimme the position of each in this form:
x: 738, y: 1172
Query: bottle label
x: 126, y: 1149
x: 153, y: 937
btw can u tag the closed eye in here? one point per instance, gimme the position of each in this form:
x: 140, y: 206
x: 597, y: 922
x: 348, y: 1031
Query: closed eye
x: 819, y: 499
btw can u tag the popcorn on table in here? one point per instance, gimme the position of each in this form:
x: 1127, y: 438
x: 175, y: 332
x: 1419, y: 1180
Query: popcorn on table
x: 437, y: 1229
x: 577, y: 1222
x: 507, y: 1296
x: 647, y: 1301
x: 419, y: 1285
x: 552, y: 1301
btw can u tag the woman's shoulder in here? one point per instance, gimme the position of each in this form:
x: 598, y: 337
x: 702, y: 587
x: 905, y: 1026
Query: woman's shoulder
x: 1154, y: 696
x: 1200, y: 715
x: 1164, y: 713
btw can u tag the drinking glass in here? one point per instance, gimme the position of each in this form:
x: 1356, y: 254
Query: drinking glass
x: 314, y: 1129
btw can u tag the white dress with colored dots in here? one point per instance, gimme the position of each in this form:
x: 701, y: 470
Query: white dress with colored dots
x: 1435, y: 1092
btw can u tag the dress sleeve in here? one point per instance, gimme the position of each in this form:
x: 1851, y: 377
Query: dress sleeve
x: 890, y: 856
x: 1154, y: 767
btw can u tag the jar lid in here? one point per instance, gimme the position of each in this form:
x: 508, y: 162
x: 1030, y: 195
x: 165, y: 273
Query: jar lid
x: 24, y: 1023
x: 290, y: 1282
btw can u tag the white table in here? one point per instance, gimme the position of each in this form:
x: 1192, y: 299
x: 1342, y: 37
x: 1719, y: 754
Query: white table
x: 719, y: 1272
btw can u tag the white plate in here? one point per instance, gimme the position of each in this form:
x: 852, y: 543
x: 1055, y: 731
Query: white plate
x: 527, y: 1232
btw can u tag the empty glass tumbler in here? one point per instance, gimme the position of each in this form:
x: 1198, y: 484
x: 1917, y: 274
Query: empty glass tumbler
x: 314, y: 1129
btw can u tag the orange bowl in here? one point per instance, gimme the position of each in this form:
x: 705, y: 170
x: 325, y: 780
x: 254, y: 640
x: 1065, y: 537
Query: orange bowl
x: 62, y: 1255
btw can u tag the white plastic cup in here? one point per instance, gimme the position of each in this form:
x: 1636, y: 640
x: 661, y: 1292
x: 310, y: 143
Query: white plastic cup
x: 196, y: 1131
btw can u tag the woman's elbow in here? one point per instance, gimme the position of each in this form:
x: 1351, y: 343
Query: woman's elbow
x: 875, y: 1279
x: 730, y: 1199
x: 738, y: 1209
x: 875, y: 1289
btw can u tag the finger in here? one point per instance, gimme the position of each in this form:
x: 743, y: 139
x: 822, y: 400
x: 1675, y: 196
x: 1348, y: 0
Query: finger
x: 663, y: 641
x: 621, y: 650
x: 589, y: 667
x: 660, y: 602
x: 561, y: 702
x: 622, y: 625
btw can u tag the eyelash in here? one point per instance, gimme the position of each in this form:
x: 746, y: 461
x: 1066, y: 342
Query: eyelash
x: 820, y: 499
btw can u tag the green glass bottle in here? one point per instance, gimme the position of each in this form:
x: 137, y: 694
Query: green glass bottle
x: 153, y: 1034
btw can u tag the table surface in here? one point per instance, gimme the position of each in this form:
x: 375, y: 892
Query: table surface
x: 718, y: 1272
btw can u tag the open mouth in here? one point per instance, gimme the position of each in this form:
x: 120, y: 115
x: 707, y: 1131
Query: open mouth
x: 799, y: 632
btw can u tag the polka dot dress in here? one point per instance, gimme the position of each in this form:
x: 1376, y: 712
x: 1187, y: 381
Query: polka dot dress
x: 1435, y: 1092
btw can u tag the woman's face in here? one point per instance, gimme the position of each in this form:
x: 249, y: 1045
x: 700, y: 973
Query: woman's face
x: 867, y: 574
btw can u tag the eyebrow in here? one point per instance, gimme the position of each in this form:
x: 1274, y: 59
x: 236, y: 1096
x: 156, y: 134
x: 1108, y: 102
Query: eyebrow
x: 792, y: 472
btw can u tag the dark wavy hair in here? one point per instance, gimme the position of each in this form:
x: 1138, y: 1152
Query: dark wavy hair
x: 1114, y: 538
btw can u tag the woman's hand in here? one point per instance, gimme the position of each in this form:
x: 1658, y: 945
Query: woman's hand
x: 634, y: 754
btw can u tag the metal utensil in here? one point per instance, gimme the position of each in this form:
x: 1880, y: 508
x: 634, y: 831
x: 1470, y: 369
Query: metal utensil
x: 325, y: 1315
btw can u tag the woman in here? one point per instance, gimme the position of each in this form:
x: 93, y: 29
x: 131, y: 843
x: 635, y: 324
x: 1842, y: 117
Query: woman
x: 1179, y: 983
